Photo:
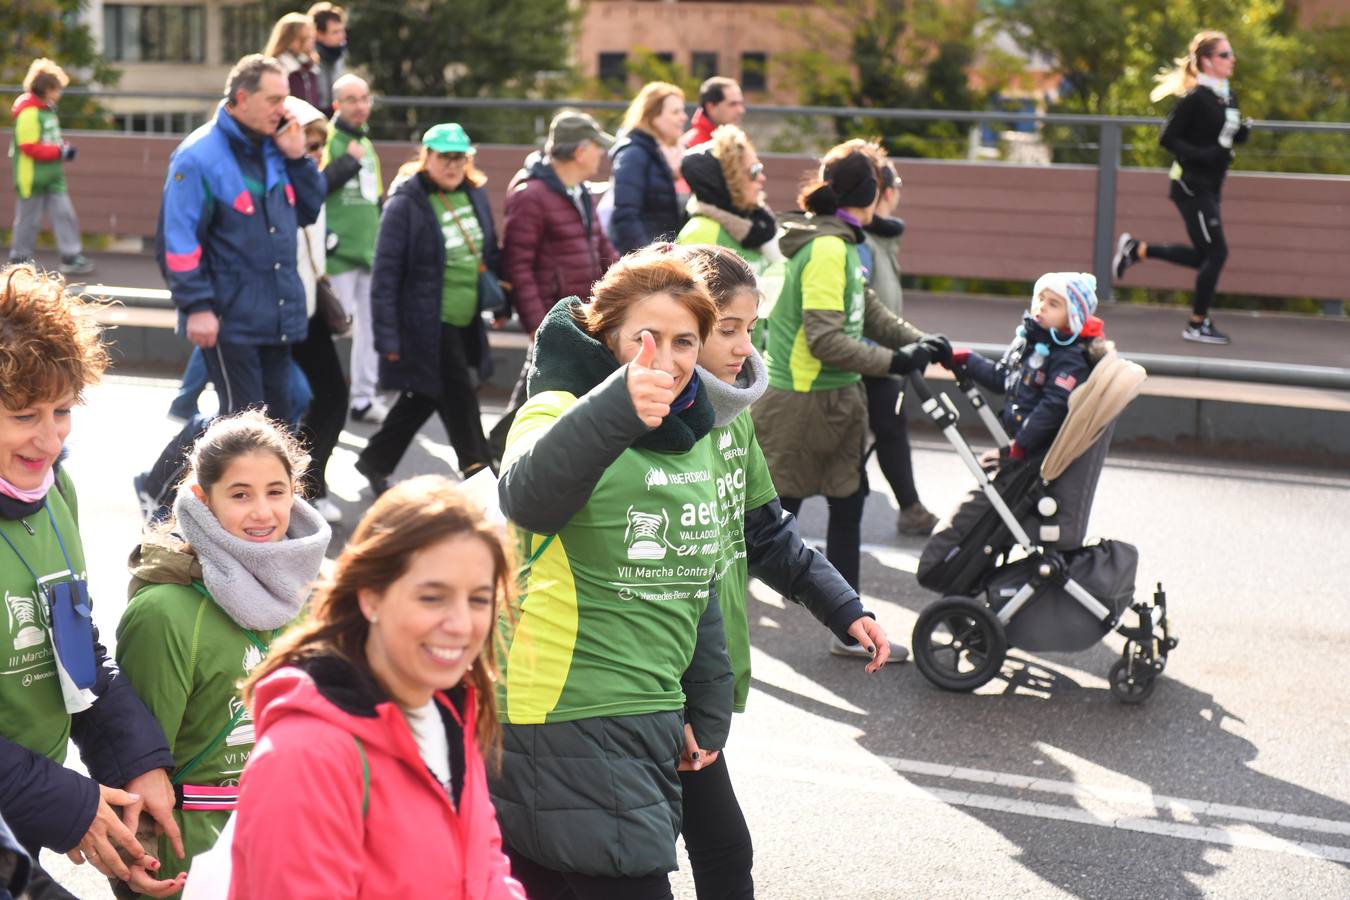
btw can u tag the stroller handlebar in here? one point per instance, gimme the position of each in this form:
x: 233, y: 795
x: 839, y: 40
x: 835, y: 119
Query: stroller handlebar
x: 921, y: 387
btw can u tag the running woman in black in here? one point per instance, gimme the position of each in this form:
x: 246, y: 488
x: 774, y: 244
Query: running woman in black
x: 1200, y: 133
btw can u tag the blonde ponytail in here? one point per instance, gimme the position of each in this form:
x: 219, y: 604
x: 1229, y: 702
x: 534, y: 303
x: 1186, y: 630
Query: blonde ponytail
x: 1181, y: 77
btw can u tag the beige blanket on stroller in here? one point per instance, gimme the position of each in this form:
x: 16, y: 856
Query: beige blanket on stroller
x: 1114, y: 382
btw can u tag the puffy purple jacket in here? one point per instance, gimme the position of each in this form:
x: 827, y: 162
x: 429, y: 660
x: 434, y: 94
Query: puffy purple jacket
x: 550, y: 250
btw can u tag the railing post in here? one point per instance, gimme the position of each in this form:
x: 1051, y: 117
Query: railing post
x: 1104, y: 228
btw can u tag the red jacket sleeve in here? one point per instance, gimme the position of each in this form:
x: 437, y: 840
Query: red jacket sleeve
x: 520, y: 248
x: 28, y: 131
x: 299, y: 830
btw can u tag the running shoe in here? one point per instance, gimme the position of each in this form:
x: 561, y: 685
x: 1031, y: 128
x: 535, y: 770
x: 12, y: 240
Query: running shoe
x: 328, y: 509
x: 839, y: 648
x: 1127, y: 254
x: 1204, y: 333
x: 76, y: 265
x: 916, y: 521
x: 379, y: 483
x: 152, y: 511
x: 373, y: 413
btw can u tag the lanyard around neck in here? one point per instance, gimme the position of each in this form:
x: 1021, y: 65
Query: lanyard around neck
x: 69, y: 565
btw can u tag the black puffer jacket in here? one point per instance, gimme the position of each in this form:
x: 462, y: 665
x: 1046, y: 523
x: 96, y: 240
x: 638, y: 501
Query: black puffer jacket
x: 645, y: 205
x: 406, y: 284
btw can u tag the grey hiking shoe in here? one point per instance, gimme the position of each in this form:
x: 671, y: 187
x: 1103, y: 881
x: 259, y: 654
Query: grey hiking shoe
x: 916, y: 521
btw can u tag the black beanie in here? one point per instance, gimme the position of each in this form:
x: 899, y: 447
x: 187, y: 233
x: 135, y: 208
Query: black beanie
x: 854, y: 180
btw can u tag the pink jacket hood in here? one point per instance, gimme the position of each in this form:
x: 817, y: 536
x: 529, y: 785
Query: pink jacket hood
x: 301, y: 830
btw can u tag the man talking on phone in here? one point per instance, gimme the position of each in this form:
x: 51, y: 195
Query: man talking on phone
x: 237, y: 190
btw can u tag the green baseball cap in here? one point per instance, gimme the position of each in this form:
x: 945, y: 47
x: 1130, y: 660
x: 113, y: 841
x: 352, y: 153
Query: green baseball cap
x: 448, y: 137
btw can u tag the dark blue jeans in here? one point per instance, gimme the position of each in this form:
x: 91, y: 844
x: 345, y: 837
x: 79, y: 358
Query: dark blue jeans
x: 195, y: 379
x: 246, y: 376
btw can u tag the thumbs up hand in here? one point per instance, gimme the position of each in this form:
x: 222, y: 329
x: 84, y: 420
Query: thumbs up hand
x: 651, y: 390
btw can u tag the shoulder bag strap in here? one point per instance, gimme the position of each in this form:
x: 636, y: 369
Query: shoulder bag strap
x: 450, y: 208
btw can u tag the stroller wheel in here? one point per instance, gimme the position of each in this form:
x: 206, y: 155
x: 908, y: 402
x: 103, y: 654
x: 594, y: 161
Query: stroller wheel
x: 1130, y: 688
x: 959, y: 644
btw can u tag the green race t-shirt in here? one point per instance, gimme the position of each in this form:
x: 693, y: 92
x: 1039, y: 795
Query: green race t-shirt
x: 743, y: 482
x: 607, y: 620
x: 826, y: 274
x: 459, y: 297
x: 703, y: 230
x: 185, y: 658
x: 352, y: 212
x: 34, y: 712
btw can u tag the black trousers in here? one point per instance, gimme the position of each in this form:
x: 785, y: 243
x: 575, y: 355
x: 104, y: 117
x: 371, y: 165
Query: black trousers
x: 1207, y: 251
x: 546, y: 884
x: 843, y: 534
x: 892, y: 434
x: 716, y: 836
x: 245, y: 376
x: 321, y: 427
x: 519, y: 394
x: 457, y: 407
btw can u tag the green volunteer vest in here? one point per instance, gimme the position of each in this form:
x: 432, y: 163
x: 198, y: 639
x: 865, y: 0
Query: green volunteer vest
x: 30, y: 694
x: 37, y: 125
x: 703, y: 230
x: 607, y: 619
x: 826, y: 274
x: 185, y: 658
x: 353, y: 211
x: 459, y: 293
x: 743, y: 482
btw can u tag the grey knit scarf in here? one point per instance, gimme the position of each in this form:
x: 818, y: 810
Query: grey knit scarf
x: 260, y: 586
x: 730, y: 400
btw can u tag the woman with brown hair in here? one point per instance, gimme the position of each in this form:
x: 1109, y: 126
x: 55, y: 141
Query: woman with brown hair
x: 292, y: 44
x: 374, y: 717
x: 436, y: 237
x: 618, y: 639
x: 646, y: 207
x: 812, y: 421
x: 61, y: 684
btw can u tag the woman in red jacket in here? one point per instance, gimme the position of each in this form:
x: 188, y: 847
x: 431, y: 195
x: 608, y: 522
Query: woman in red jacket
x: 367, y: 780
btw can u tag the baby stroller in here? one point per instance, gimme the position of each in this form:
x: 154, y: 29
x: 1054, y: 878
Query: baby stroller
x: 1011, y: 564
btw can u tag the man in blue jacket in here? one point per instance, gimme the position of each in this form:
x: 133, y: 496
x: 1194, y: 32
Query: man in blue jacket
x: 236, y: 191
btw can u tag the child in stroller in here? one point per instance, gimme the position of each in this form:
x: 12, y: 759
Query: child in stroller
x: 1065, y: 386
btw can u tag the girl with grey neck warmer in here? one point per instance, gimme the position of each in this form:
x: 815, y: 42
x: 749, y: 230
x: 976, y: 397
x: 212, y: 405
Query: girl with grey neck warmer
x: 759, y: 539
x: 209, y: 592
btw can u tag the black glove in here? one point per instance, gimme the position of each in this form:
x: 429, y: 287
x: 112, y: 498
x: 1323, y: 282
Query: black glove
x: 939, y: 348
x: 911, y: 358
x: 68, y: 152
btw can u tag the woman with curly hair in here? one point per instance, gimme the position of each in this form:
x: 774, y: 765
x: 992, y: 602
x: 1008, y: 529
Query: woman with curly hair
x: 62, y: 684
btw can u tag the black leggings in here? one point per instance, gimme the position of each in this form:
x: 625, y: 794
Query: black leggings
x: 843, y: 534
x: 716, y: 836
x: 892, y: 434
x: 547, y: 884
x: 317, y: 357
x: 1208, y: 250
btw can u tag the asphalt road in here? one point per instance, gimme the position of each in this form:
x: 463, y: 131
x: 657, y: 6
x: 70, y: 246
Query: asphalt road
x: 1231, y: 781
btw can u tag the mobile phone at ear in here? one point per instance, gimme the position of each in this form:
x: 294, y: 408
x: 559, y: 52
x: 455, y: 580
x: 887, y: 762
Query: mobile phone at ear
x: 283, y: 124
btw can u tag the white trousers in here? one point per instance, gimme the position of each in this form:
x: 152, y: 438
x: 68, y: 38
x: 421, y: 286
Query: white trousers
x: 353, y: 289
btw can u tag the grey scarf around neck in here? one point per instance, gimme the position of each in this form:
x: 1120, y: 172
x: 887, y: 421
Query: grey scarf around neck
x: 730, y: 400
x: 260, y: 586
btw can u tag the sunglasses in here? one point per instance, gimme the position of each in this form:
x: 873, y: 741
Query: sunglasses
x: 314, y: 148
x: 453, y: 157
x: 1227, y: 54
x: 757, y: 170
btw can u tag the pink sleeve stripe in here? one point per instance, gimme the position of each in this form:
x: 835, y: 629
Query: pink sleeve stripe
x: 183, y: 262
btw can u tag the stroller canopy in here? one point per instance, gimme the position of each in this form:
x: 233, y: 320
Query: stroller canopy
x: 1114, y: 382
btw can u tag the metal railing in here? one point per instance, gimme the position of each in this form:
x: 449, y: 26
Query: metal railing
x: 1108, y: 146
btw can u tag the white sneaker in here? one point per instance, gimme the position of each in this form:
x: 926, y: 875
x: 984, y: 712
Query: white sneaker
x: 374, y: 412
x: 329, y: 510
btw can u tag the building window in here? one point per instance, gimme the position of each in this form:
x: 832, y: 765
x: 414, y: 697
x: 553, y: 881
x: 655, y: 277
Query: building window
x: 244, y: 30
x: 154, y: 33
x: 754, y: 72
x: 665, y: 57
x: 613, y: 69
x: 703, y: 64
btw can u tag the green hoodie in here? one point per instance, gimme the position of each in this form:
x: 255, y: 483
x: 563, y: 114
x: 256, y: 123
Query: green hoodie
x: 824, y: 272
x: 185, y: 658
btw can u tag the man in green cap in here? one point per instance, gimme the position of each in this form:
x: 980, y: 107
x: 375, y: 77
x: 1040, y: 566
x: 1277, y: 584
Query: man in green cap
x: 552, y: 242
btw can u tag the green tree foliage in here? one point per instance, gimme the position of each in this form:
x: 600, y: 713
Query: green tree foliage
x: 1110, y: 50
x: 468, y: 48
x: 30, y: 29
x: 900, y: 54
